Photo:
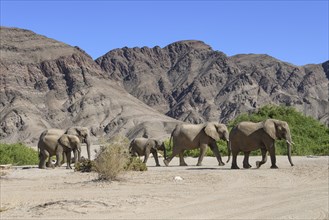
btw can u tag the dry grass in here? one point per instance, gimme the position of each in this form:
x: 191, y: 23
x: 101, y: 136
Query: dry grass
x: 112, y: 158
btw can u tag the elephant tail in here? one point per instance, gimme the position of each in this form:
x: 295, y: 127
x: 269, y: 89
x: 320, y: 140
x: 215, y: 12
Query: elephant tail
x: 42, y: 135
x: 131, y: 146
x: 170, y: 140
x: 228, y: 151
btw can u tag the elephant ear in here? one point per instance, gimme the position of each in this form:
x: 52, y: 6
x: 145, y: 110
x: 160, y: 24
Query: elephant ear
x: 211, y: 131
x: 270, y: 128
x: 64, y: 141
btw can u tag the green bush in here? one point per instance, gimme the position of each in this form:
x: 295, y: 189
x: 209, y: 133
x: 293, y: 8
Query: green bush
x: 309, y: 135
x: 135, y: 164
x: 18, y: 154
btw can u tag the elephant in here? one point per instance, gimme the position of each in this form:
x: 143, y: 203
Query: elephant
x: 81, y: 132
x: 65, y: 144
x: 191, y: 136
x: 249, y: 136
x: 144, y: 146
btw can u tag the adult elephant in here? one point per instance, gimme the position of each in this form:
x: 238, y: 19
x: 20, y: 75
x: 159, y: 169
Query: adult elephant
x: 145, y: 146
x: 63, y: 145
x: 189, y: 136
x: 81, y: 132
x: 249, y: 136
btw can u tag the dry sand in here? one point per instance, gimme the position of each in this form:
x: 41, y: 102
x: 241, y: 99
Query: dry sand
x: 207, y: 192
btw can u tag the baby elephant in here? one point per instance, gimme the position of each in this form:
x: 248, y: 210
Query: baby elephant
x: 144, y: 146
x: 66, y: 144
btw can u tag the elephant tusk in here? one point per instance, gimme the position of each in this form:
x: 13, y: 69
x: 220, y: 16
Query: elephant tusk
x: 290, y: 143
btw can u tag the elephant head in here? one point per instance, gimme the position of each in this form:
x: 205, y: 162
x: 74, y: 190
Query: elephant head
x: 161, y: 146
x: 70, y: 142
x: 277, y: 129
x: 217, y: 131
x: 83, y: 134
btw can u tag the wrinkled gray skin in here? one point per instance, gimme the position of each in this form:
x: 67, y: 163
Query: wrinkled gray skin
x: 63, y: 145
x: 190, y: 136
x: 81, y: 132
x: 144, y: 146
x: 249, y: 136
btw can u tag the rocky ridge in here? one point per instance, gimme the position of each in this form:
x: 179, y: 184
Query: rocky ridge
x: 189, y: 81
x: 128, y: 91
x: 46, y: 83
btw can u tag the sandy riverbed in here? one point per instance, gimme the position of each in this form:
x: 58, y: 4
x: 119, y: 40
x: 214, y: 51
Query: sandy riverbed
x: 207, y: 192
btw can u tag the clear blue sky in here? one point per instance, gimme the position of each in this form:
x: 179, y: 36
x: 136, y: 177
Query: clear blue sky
x: 292, y: 31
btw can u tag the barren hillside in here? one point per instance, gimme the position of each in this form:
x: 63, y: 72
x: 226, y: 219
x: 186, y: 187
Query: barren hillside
x: 46, y: 83
x: 191, y: 82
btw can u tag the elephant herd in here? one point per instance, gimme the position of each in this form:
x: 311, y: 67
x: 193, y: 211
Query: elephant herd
x: 244, y: 137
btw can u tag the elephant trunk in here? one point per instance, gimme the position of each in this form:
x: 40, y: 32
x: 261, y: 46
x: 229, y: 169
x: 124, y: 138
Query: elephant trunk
x: 289, y: 144
x: 88, y: 147
x: 289, y: 152
x: 228, y: 151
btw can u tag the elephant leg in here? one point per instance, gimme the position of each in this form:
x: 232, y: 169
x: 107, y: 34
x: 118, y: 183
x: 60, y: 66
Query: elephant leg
x: 273, y: 158
x: 181, y: 159
x: 146, y: 155
x: 203, y: 149
x: 264, y: 158
x: 68, y: 157
x: 234, y: 157
x: 246, y: 164
x: 79, y: 156
x: 174, y: 153
x: 63, y: 159
x: 216, y: 152
x: 76, y: 160
x: 42, y: 159
x: 155, y: 155
x: 58, y: 157
x: 50, y: 163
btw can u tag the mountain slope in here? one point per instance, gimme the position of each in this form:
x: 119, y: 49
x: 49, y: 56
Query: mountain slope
x: 46, y: 83
x: 191, y: 82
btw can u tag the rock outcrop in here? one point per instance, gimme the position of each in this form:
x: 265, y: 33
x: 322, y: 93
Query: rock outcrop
x: 132, y: 91
x: 46, y: 83
x: 189, y: 81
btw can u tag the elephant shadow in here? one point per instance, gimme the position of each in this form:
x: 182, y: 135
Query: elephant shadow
x: 208, y: 168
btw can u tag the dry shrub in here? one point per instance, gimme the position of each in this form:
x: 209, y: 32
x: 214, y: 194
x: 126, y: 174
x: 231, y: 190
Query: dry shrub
x: 135, y: 164
x: 85, y: 165
x: 111, y: 158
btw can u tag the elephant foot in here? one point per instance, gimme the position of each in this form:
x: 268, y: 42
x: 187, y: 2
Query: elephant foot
x: 246, y: 166
x: 235, y: 167
x: 199, y: 164
x: 258, y: 164
x: 221, y: 163
x: 158, y: 165
x: 274, y: 167
x: 183, y: 164
x: 166, y: 162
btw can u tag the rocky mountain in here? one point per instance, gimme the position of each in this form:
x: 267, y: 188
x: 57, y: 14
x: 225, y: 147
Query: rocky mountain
x: 132, y: 91
x: 189, y: 81
x: 46, y: 83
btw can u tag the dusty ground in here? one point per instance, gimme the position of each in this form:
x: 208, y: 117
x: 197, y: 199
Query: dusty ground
x: 207, y: 192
